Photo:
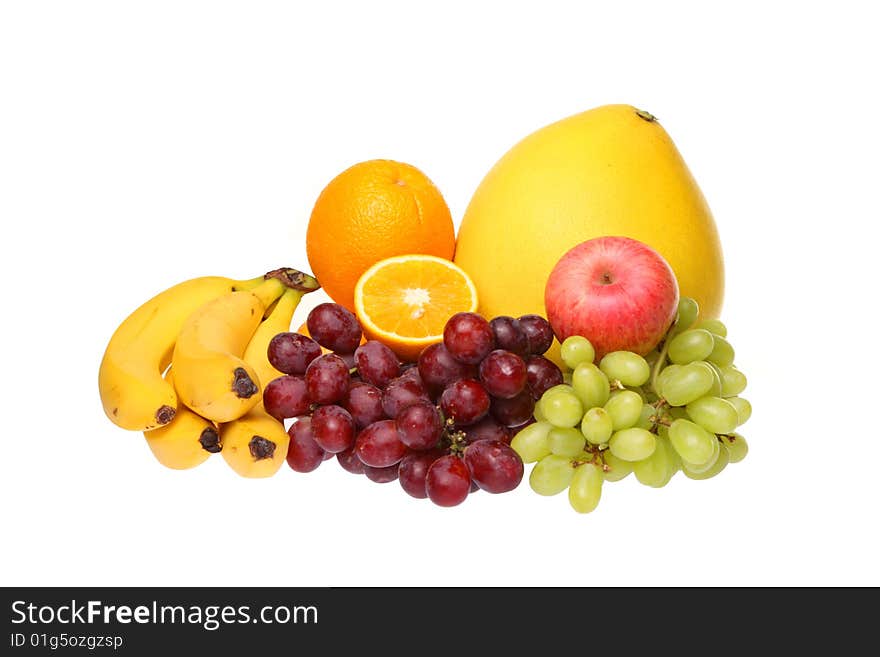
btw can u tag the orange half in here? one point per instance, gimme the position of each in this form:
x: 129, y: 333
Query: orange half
x: 406, y: 300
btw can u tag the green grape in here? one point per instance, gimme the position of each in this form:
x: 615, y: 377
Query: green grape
x: 565, y: 441
x: 697, y: 468
x: 722, y: 354
x: 632, y: 444
x: 657, y: 469
x: 715, y: 390
x: 674, y: 458
x: 688, y: 309
x: 617, y: 469
x: 733, y: 381
x: 692, y: 345
x: 566, y: 377
x: 743, y: 409
x: 625, y: 366
x: 576, y: 350
x: 640, y: 391
x: 678, y: 413
x: 585, y: 488
x: 538, y: 412
x: 714, y: 414
x: 693, y: 443
x: 597, y: 426
x: 685, y: 384
x: 736, y: 446
x: 665, y: 374
x: 562, y: 408
x: 531, y: 442
x: 651, y: 358
x: 625, y: 409
x: 551, y: 475
x: 590, y: 385
x: 720, y: 463
x: 645, y: 421
x: 714, y: 326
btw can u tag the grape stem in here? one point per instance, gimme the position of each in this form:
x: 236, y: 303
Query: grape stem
x: 660, y: 420
x: 660, y: 364
x: 456, y: 438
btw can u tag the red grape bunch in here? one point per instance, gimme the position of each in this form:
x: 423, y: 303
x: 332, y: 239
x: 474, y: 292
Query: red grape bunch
x: 441, y: 426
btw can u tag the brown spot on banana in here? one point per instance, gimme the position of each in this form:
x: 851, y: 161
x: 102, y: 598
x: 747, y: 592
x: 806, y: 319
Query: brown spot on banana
x: 261, y: 448
x: 164, y: 415
x: 242, y: 384
x: 210, y: 440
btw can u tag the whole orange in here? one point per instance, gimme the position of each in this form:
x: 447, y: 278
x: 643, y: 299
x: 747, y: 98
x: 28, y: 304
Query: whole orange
x: 371, y: 211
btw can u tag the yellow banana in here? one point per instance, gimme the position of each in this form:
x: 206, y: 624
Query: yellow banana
x: 185, y: 442
x: 209, y: 374
x: 133, y: 392
x: 255, y: 445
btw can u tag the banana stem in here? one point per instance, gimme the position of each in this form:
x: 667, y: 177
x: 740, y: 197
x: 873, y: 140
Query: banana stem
x: 295, y: 279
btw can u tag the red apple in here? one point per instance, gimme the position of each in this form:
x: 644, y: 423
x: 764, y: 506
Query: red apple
x: 617, y: 292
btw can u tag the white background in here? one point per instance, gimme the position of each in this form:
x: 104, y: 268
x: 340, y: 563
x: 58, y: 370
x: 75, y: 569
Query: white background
x: 145, y: 143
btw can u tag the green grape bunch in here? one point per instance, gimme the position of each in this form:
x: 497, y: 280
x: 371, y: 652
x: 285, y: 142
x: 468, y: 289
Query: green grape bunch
x: 677, y: 409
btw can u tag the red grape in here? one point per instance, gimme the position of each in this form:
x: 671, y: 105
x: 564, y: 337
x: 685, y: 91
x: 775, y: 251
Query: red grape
x: 538, y: 332
x: 402, y: 392
x: 332, y: 428
x: 448, y: 481
x: 327, y: 379
x: 349, y: 460
x: 413, y: 470
x: 494, y: 466
x: 286, y: 397
x: 514, y: 411
x: 364, y: 403
x: 503, y: 374
x: 486, y: 429
x: 419, y: 425
x: 379, y: 445
x: 291, y: 353
x: 411, y: 371
x: 509, y: 335
x: 438, y: 368
x: 376, y: 363
x: 334, y: 327
x: 348, y: 359
x: 382, y: 475
x: 465, y: 401
x: 303, y: 453
x: 468, y: 337
x: 543, y: 374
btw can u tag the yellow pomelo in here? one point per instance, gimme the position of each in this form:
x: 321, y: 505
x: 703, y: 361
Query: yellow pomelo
x: 612, y: 170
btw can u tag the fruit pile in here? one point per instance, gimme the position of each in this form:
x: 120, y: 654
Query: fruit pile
x: 404, y: 376
x: 676, y: 409
x: 441, y: 425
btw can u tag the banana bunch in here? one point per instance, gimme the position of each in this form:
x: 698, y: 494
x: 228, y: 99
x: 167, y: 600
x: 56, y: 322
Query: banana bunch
x: 187, y: 369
